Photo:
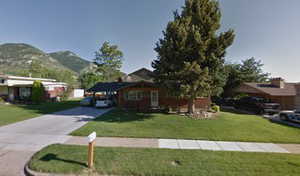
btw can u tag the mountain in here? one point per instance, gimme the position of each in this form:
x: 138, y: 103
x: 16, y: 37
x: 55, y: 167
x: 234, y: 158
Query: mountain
x: 17, y: 59
x: 71, y: 61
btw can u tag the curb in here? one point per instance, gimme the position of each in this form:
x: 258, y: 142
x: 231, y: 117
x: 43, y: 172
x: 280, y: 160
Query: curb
x: 29, y: 172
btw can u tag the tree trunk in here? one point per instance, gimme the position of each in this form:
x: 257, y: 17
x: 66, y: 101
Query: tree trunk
x: 178, y: 106
x: 191, y: 105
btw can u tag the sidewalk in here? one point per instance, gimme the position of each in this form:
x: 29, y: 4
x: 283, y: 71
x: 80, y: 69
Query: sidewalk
x: 189, y: 144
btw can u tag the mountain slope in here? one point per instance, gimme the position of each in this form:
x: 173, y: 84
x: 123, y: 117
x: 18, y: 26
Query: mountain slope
x: 71, y: 60
x: 17, y: 58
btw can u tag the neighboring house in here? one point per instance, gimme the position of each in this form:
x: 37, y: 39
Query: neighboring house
x: 138, y: 91
x: 77, y: 93
x: 278, y: 91
x: 13, y: 88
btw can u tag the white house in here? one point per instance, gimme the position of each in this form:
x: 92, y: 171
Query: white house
x: 20, y: 88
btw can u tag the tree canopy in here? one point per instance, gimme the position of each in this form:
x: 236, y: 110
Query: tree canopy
x: 249, y: 70
x: 37, y: 70
x: 109, y: 61
x: 89, y: 79
x: 190, y: 59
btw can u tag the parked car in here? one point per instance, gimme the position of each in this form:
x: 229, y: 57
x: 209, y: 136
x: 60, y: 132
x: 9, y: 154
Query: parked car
x: 103, y: 103
x: 223, y: 101
x: 257, y: 105
x: 293, y: 116
x: 87, y: 101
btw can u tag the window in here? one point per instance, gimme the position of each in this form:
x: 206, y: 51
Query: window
x: 24, y: 92
x: 133, y: 95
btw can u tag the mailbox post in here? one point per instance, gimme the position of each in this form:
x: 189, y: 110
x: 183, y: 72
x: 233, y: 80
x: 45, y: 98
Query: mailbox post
x: 91, y: 139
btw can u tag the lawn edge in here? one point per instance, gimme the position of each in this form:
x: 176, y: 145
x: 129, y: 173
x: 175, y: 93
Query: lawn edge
x: 30, y: 172
x: 39, y: 115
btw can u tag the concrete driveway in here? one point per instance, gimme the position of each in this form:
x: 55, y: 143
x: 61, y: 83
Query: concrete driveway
x: 19, y: 141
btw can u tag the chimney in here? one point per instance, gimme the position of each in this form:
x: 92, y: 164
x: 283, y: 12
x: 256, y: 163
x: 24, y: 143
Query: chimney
x: 278, y: 82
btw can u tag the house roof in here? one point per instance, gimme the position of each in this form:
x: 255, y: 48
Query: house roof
x: 115, y: 86
x: 288, y: 90
x: 142, y: 74
x: 27, y: 81
x: 26, y: 78
x: 108, y: 86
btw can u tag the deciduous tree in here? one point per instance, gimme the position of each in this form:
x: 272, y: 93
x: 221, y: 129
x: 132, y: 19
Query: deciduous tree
x: 89, y: 79
x: 109, y: 61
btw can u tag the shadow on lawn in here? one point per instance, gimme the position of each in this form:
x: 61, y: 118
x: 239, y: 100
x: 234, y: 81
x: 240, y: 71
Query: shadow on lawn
x: 51, y: 156
x: 236, y: 111
x: 50, y: 107
x: 119, y: 116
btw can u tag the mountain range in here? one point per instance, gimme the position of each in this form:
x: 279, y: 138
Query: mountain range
x: 17, y: 58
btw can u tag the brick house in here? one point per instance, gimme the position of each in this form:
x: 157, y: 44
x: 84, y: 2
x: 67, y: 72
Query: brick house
x: 138, y: 91
x: 16, y: 88
x: 278, y: 91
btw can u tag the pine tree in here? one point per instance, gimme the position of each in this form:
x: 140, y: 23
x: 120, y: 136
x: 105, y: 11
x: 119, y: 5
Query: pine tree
x: 190, y: 60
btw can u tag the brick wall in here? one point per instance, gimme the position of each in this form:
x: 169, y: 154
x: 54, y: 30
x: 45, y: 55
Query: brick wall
x: 57, y: 91
x: 164, y: 101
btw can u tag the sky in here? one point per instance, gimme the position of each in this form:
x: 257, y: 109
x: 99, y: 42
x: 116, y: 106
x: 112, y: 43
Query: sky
x: 265, y: 29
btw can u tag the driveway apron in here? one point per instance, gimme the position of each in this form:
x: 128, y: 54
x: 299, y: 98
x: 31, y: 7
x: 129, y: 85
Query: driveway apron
x: 19, y: 141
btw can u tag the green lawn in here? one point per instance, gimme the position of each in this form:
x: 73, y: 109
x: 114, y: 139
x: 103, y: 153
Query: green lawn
x: 12, y: 113
x: 156, y: 162
x: 226, y: 127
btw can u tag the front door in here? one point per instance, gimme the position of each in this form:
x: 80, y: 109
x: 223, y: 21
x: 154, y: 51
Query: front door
x: 154, y: 98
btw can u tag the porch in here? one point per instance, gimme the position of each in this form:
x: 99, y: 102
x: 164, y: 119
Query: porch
x: 15, y: 93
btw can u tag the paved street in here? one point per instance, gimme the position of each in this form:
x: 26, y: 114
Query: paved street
x: 19, y: 141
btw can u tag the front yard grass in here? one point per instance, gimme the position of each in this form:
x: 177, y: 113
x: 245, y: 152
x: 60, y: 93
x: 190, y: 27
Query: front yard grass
x: 226, y: 127
x: 69, y: 159
x: 14, y: 113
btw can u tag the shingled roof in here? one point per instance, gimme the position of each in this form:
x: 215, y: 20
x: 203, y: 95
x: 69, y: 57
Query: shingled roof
x: 108, y: 86
x: 288, y: 89
x: 115, y: 86
x: 142, y: 74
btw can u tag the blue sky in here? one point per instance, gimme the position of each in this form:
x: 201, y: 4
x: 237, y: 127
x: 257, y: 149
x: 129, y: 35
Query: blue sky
x: 265, y: 29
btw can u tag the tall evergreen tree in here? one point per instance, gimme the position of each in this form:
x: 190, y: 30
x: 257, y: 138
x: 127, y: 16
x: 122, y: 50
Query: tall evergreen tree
x: 252, y: 71
x: 190, y: 60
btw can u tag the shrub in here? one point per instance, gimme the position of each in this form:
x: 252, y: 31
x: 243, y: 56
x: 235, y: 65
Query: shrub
x: 215, y: 108
x: 37, y: 92
x: 67, y: 93
x: 1, y: 100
